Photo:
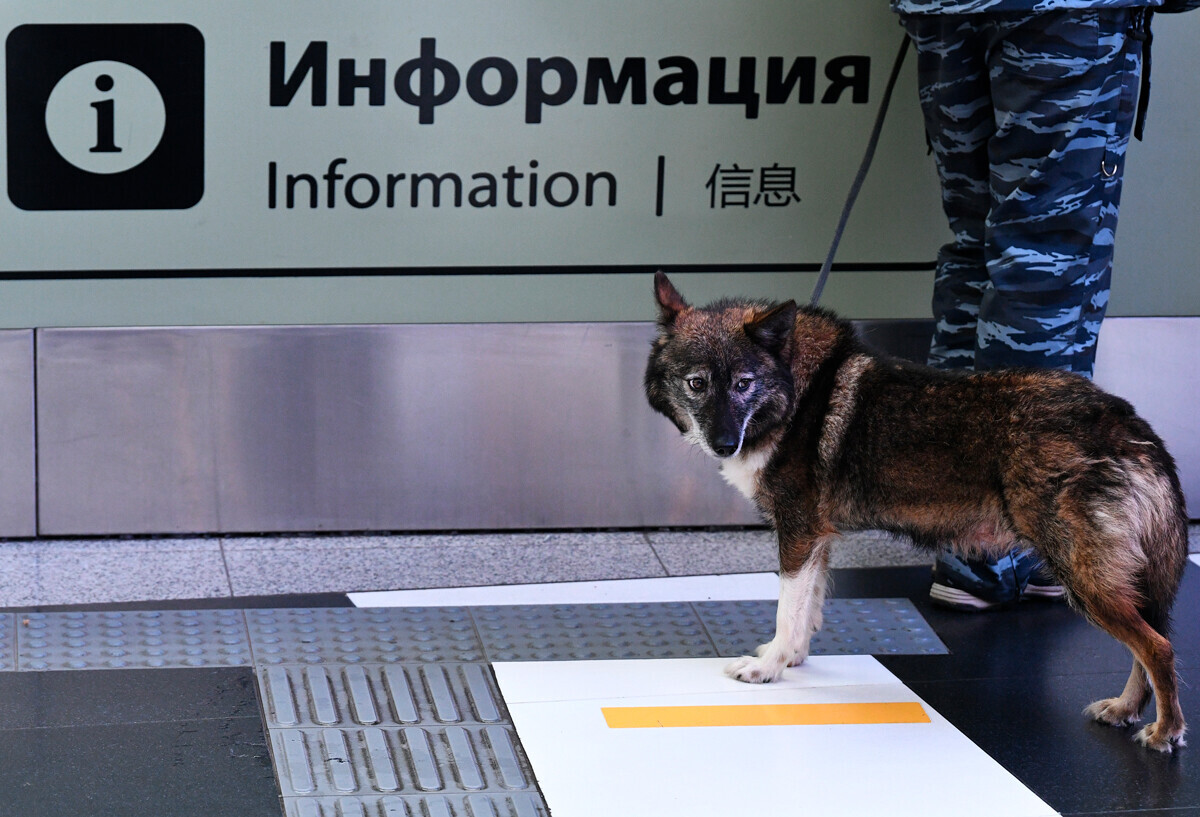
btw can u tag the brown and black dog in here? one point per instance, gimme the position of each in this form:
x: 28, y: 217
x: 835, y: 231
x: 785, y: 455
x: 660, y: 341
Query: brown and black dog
x: 826, y: 436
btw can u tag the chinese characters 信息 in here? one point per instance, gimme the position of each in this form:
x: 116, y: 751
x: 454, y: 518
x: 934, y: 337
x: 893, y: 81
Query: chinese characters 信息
x: 735, y: 186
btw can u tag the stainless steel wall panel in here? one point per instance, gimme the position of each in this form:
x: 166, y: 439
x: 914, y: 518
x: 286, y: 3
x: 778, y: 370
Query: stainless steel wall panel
x: 361, y: 428
x: 18, y: 492
x: 1152, y: 363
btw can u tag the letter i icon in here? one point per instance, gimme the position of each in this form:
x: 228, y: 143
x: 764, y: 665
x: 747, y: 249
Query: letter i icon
x: 104, y: 118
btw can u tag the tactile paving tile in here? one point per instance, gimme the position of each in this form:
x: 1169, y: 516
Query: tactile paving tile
x: 357, y: 636
x: 558, y: 632
x: 8, y: 655
x: 380, y: 695
x: 146, y: 638
x: 851, y: 627
x: 471, y: 805
x: 394, y: 760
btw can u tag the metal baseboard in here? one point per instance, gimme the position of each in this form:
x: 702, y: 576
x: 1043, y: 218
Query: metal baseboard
x: 226, y: 430
x: 18, y: 479
x: 413, y: 427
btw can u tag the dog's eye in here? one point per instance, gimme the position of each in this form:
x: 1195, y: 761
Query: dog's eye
x: 696, y: 383
x: 744, y: 384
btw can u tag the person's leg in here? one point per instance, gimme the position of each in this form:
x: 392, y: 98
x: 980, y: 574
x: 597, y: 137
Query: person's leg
x: 1064, y: 87
x: 954, y: 93
x: 1113, y: 172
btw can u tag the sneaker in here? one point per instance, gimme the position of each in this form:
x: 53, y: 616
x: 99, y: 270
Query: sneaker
x: 973, y: 585
x: 1035, y: 580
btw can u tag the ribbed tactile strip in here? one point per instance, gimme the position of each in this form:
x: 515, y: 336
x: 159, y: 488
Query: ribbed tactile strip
x: 132, y: 639
x: 351, y: 635
x: 380, y: 695
x: 559, y: 632
x: 852, y: 627
x: 470, y: 805
x: 395, y: 760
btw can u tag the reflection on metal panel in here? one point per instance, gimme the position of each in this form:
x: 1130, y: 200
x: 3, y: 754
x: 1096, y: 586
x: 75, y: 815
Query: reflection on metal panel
x: 18, y: 485
x: 481, y: 426
x: 1152, y: 363
x: 362, y: 428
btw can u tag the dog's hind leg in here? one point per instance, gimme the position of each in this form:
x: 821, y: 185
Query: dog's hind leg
x: 799, y: 615
x: 1154, y: 653
x: 1111, y: 600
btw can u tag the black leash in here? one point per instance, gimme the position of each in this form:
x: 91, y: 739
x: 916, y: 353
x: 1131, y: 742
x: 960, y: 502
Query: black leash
x: 862, y: 172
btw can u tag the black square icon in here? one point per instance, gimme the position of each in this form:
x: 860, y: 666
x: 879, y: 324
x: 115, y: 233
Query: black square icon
x: 105, y: 117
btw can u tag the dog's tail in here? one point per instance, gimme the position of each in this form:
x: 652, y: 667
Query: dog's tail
x: 1158, y: 518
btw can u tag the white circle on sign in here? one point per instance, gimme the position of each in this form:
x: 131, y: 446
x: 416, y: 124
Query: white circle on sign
x: 105, y: 117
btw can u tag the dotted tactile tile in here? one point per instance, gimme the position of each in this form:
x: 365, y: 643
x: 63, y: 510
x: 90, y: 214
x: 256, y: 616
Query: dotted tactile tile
x: 397, y: 760
x: 322, y: 695
x: 851, y: 627
x: 558, y: 632
x: 356, y: 636
x: 8, y: 655
x: 142, y: 639
x: 471, y: 805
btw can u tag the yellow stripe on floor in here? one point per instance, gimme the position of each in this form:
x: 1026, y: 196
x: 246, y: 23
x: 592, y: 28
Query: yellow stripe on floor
x: 646, y: 717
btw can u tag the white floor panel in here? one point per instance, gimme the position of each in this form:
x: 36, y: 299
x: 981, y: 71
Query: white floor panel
x: 735, y: 587
x: 586, y: 769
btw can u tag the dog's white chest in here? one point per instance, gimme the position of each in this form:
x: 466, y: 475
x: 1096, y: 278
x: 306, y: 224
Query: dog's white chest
x: 743, y: 471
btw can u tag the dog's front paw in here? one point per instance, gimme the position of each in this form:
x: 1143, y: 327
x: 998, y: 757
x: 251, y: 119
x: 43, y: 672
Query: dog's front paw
x: 796, y: 660
x: 754, y: 670
x: 1159, y: 738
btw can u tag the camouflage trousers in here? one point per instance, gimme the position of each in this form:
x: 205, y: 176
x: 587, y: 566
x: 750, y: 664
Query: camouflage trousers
x: 1028, y: 117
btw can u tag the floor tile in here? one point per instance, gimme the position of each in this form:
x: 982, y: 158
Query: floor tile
x: 517, y: 804
x: 268, y: 572
x: 353, y: 636
x: 591, y: 631
x: 8, y: 642
x: 200, y: 768
x: 851, y: 627
x: 120, y: 571
x: 586, y: 769
x: 379, y: 695
x: 67, y: 698
x: 119, y: 639
x: 392, y: 760
x: 1036, y: 729
x: 692, y: 553
x: 135, y: 743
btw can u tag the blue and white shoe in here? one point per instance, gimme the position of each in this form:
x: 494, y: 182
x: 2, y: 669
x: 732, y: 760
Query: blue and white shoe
x: 1036, y: 580
x: 985, y: 584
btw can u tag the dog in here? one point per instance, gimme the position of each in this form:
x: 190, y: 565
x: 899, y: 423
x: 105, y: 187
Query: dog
x: 824, y: 436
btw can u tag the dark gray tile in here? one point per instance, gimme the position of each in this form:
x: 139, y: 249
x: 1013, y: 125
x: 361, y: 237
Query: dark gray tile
x: 200, y: 768
x: 1035, y: 728
x: 111, y: 697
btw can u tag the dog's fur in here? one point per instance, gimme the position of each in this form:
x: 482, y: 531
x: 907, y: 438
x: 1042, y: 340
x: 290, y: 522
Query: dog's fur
x: 825, y: 436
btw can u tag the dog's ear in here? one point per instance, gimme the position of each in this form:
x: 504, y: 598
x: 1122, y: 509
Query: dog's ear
x: 772, y: 330
x: 670, y: 302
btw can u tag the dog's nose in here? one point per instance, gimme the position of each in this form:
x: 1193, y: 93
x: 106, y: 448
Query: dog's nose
x: 725, y: 448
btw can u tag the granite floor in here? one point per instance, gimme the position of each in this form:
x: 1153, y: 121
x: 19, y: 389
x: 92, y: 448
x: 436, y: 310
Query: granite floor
x: 61, y: 572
